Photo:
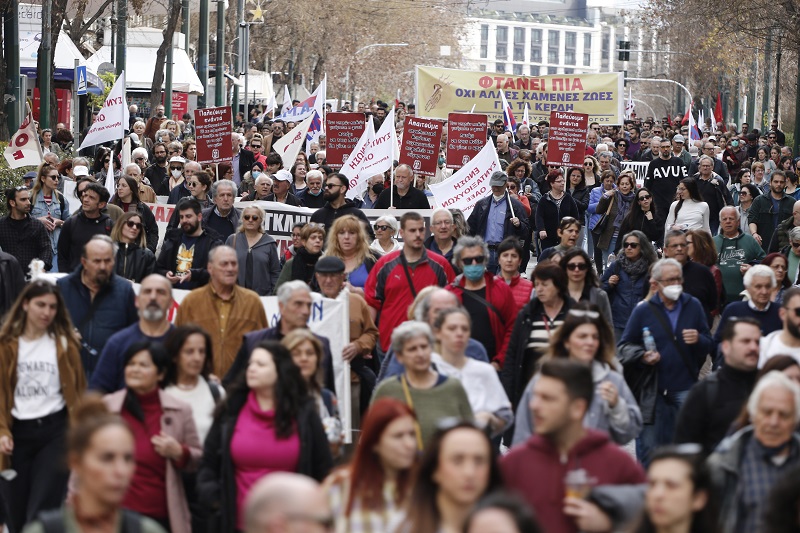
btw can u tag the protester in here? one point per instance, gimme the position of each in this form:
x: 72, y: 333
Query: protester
x: 698, y: 280
x: 442, y: 241
x: 301, y: 266
x: 607, y: 183
x: 701, y: 250
x: 165, y: 436
x: 711, y: 186
x: 282, y: 501
x: 280, y: 189
x: 49, y: 206
x: 42, y: 380
x: 313, y: 196
x: 642, y: 217
x: 402, y: 195
x: 386, y: 228
x: 256, y: 251
x: 780, y: 239
x: 336, y: 205
x: 127, y: 199
x: 582, y: 281
x: 134, y: 261
x: 615, y: 204
x: 735, y: 252
x: 785, y: 341
x: 663, y: 176
x: 268, y: 423
x: 430, y: 394
x: 222, y: 217
x: 568, y: 231
x: 82, y: 226
x: 770, y: 208
x: 348, y: 240
x: 509, y: 257
x: 22, y: 235
x: 553, y: 207
x: 779, y: 264
x: 689, y: 211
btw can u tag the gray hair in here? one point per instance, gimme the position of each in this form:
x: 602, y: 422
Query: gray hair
x: 645, y: 246
x: 521, y: 126
x: 773, y: 379
x: 134, y: 167
x: 314, y: 174
x: 139, y: 152
x: 655, y: 139
x: 424, y: 306
x: 504, y: 136
x: 81, y: 161
x: 659, y: 265
x: 140, y: 122
x: 390, y: 221
x: 193, y: 164
x: 285, y: 291
x: 605, y: 154
x: 215, y: 187
x: 673, y: 233
x: 705, y: 157
x: 794, y: 234
x: 540, y: 147
x: 407, y: 331
x: 321, y: 154
x: 262, y: 178
x: 759, y: 271
x: 442, y: 210
x: 102, y: 238
x: 212, y: 254
x: 468, y: 241
x: 735, y: 211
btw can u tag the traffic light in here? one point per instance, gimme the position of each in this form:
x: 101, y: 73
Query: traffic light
x: 624, y: 46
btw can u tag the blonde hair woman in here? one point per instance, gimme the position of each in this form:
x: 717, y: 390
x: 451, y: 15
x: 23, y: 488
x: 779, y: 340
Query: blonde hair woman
x: 257, y: 252
x: 348, y: 240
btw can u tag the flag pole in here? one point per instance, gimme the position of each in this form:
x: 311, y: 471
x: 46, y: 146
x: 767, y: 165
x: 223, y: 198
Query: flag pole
x: 510, y: 206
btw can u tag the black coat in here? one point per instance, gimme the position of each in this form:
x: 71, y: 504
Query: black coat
x: 581, y: 197
x: 326, y: 214
x: 134, y: 263
x: 75, y: 233
x: 12, y: 280
x: 549, y: 215
x: 167, y: 259
x: 216, y: 479
x: 479, y: 217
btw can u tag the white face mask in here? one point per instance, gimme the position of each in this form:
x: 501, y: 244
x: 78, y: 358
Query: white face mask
x: 176, y: 174
x: 673, y: 292
x: 498, y: 198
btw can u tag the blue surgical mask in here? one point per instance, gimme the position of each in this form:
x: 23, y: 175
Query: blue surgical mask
x: 255, y: 173
x: 474, y: 272
x: 312, y: 193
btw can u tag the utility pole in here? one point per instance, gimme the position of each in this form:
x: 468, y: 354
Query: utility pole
x: 778, y: 77
x: 168, y: 80
x: 238, y: 61
x: 202, y: 53
x: 797, y: 110
x: 219, y: 78
x: 122, y: 35
x: 11, y: 45
x: 45, y: 73
x: 185, y: 26
x: 763, y: 120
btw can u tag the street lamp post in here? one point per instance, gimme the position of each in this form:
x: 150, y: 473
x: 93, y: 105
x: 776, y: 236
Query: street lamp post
x: 347, y: 72
x: 659, y: 80
x: 219, y: 74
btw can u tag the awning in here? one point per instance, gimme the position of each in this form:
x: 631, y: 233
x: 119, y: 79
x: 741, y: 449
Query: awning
x: 140, y: 69
x: 65, y: 55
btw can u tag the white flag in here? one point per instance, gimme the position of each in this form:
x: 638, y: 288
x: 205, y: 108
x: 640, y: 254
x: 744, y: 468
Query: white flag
x: 289, y: 145
x: 306, y: 108
x: 24, y: 150
x: 355, y: 160
x: 287, y: 100
x: 112, y: 120
x: 463, y: 189
x: 525, y: 117
x: 376, y: 159
x: 271, y: 104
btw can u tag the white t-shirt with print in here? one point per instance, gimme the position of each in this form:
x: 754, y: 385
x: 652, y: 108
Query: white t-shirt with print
x: 38, y: 390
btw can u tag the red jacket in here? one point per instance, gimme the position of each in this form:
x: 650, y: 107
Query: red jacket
x: 522, y: 289
x: 500, y: 296
x: 387, y: 288
x: 536, y: 472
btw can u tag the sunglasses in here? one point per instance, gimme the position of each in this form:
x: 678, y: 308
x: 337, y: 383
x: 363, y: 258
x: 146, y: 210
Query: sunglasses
x: 255, y: 146
x: 134, y: 225
x: 139, y: 158
x: 380, y: 227
x: 251, y: 217
x: 633, y: 245
x: 796, y: 245
x: 473, y: 260
x: 644, y: 197
x: 332, y: 185
x: 106, y: 161
x: 175, y: 168
x: 577, y: 266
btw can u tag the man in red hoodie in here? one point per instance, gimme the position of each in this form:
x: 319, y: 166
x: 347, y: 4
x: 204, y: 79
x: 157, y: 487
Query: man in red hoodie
x: 560, y: 468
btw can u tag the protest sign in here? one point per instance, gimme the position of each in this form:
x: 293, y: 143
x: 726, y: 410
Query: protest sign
x: 112, y: 120
x: 466, y: 137
x: 639, y: 169
x: 375, y: 158
x: 441, y: 91
x: 566, y: 142
x: 213, y: 134
x: 463, y: 189
x: 343, y: 131
x: 289, y: 145
x: 420, y: 147
x: 23, y: 149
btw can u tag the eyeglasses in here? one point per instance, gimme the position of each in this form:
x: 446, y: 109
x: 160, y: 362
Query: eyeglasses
x: 478, y: 260
x: 332, y: 185
x: 441, y: 223
x: 577, y: 266
x: 251, y: 217
x: 796, y: 245
x: 134, y: 225
x: 594, y: 315
x: 644, y: 197
x: 381, y: 227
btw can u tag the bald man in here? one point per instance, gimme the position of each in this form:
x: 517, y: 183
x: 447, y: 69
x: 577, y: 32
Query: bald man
x: 287, y: 503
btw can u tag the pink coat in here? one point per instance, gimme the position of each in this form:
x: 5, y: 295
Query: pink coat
x: 178, y: 423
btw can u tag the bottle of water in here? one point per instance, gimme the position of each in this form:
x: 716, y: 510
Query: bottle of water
x: 610, y: 260
x: 649, y: 341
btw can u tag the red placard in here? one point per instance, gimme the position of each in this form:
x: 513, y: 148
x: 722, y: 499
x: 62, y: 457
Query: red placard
x: 466, y: 137
x: 342, y: 132
x: 180, y: 105
x: 420, y: 148
x: 213, y: 134
x: 566, y: 142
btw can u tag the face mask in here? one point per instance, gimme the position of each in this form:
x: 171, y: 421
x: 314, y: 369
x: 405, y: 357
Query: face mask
x: 441, y: 161
x: 474, y: 272
x: 673, y: 292
x: 176, y: 174
x: 498, y: 198
x: 377, y: 188
x: 255, y: 173
x: 312, y: 193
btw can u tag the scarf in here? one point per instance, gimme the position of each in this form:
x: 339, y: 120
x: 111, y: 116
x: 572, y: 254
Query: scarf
x: 303, y: 264
x: 635, y: 269
x: 624, y: 202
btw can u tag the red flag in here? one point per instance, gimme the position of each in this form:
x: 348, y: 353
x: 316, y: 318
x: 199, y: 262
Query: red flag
x: 686, y: 116
x: 718, y: 114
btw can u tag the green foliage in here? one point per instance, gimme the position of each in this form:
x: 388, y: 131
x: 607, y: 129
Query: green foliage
x: 97, y: 101
x: 9, y: 177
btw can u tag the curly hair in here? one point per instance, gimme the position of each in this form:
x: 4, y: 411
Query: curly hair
x: 517, y: 163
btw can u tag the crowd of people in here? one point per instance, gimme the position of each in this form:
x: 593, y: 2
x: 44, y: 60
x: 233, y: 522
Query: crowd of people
x: 643, y: 375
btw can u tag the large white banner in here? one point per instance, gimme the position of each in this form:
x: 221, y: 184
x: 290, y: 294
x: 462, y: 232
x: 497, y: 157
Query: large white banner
x: 463, y: 189
x: 374, y: 158
x: 112, y: 120
x: 289, y: 145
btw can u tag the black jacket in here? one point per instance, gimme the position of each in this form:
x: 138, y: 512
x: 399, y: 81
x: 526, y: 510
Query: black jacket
x: 134, y: 263
x: 216, y: 479
x: 12, y: 280
x: 715, y: 194
x: 414, y: 199
x: 651, y: 228
x: 478, y: 219
x: 291, y: 199
x: 549, y: 215
x: 581, y: 197
x: 699, y: 282
x: 75, y: 233
x: 27, y: 240
x: 158, y: 177
x: 168, y: 258
x: 326, y: 214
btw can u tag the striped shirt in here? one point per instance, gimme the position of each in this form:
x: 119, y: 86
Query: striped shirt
x: 542, y: 328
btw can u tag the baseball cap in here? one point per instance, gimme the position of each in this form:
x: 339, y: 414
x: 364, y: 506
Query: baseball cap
x: 80, y: 170
x: 283, y: 175
x: 498, y: 179
x: 30, y: 175
x: 678, y: 138
x: 177, y: 159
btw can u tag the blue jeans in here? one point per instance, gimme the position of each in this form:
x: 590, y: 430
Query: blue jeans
x: 611, y: 249
x: 662, y: 430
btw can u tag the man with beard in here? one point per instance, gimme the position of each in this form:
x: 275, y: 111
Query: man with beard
x: 524, y: 140
x: 184, y: 254
x: 663, y: 176
x: 81, y: 227
x: 635, y: 143
x: 153, y: 303
x: 336, y: 204
x: 785, y: 341
x: 21, y: 235
x: 99, y: 302
x: 157, y: 173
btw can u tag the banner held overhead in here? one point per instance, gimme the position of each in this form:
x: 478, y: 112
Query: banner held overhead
x: 466, y: 137
x: 420, y: 146
x: 213, y: 134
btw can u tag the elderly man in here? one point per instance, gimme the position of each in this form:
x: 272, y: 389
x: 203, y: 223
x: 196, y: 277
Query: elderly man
x: 146, y: 193
x: 284, y: 502
x: 21, y: 235
x: 404, y: 196
x: 313, y: 196
x: 678, y: 325
x: 679, y: 150
x: 780, y: 239
x: 222, y: 308
x: 745, y: 467
x: 294, y: 305
x: 441, y: 239
x: 263, y: 188
x: 153, y: 304
x: 139, y: 156
x: 770, y: 208
x: 504, y: 150
x: 222, y: 217
x: 281, y: 184
x: 736, y: 251
x: 100, y: 303
x: 713, y: 190
x: 697, y: 278
x: 524, y: 140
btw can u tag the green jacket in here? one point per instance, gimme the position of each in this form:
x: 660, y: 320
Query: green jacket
x: 731, y: 254
x: 762, y: 215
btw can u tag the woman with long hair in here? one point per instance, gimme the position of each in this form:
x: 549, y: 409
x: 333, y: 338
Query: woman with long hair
x: 103, y: 165
x: 586, y: 337
x: 134, y: 260
x: 49, y: 206
x: 679, y: 495
x: 457, y: 469
x: 744, y: 177
x: 689, y: 211
x: 301, y: 265
x: 41, y: 382
x: 299, y: 171
x: 348, y: 240
x: 591, y: 171
x: 642, y: 217
x: 268, y: 423
x: 554, y: 205
x: 257, y: 252
x: 166, y: 438
x: 200, y: 185
x: 616, y: 203
x: 583, y: 284
x: 127, y: 199
x: 701, y: 249
x: 627, y: 280
x: 369, y: 494
x: 779, y: 265
x: 577, y: 188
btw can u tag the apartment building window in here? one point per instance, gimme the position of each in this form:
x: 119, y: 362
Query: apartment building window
x: 570, y: 44
x: 553, y: 43
x: 500, y: 68
x: 535, y: 69
x: 536, y: 46
x: 552, y: 70
x: 482, y: 68
x: 501, y: 51
x: 484, y: 41
x: 517, y: 70
x: 587, y: 49
x: 606, y: 46
x: 519, y: 44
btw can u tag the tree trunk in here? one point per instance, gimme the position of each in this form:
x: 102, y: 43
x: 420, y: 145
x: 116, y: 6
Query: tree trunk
x: 173, y: 15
